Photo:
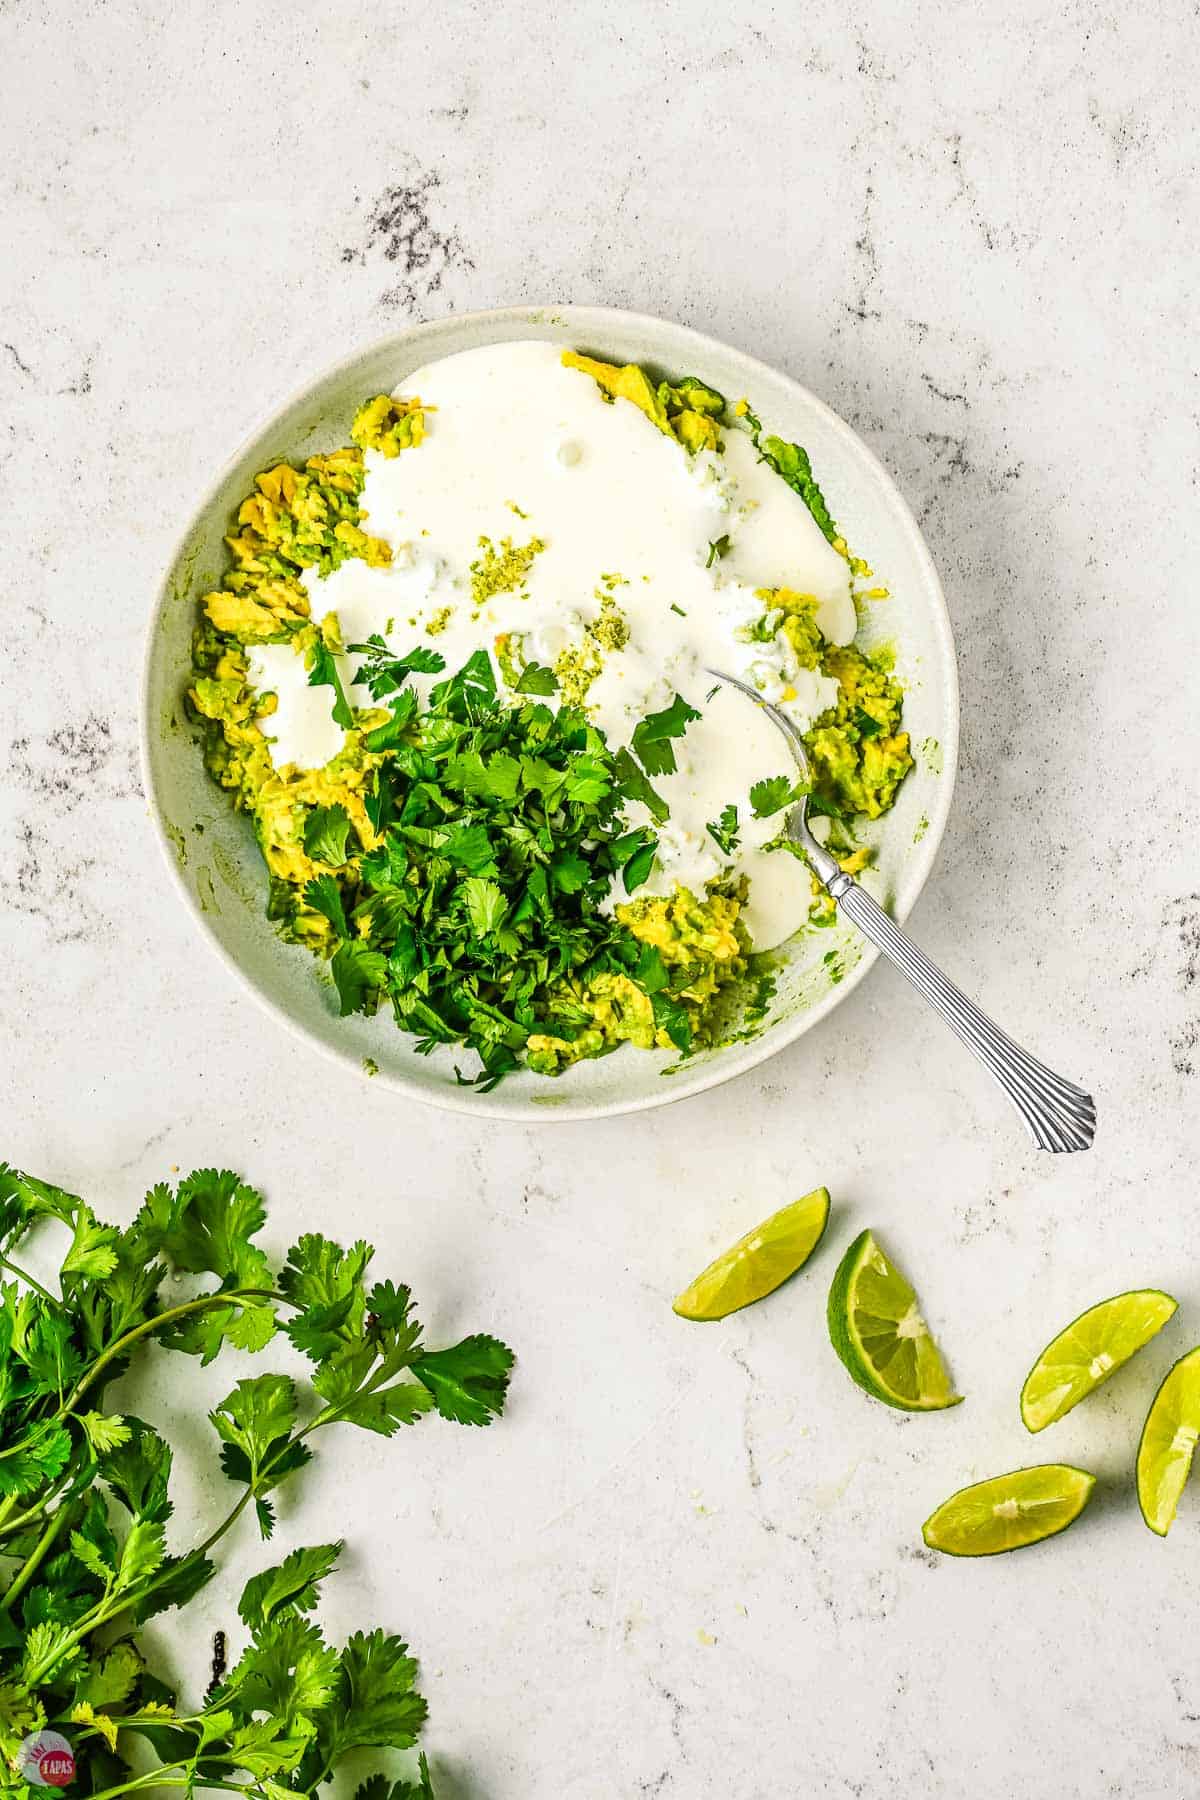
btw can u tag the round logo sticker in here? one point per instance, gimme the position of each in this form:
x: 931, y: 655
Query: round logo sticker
x: 47, y: 1760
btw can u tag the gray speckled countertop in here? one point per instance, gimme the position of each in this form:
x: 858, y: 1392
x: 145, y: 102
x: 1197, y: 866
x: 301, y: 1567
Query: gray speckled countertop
x: 689, y: 1561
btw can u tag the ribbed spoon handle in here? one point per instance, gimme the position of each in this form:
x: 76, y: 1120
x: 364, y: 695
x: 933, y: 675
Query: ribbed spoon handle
x: 1059, y: 1115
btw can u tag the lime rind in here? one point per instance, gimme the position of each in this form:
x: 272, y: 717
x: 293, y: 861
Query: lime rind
x: 1168, y: 1443
x: 759, y: 1262
x: 1009, y: 1512
x: 1091, y: 1349
x: 877, y: 1330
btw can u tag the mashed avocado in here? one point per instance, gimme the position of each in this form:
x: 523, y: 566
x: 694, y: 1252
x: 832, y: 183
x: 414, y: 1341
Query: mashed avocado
x: 688, y: 409
x: 701, y: 941
x: 858, y: 754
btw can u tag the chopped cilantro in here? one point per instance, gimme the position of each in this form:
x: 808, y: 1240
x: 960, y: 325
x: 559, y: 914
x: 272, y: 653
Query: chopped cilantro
x: 477, y: 912
x: 718, y: 548
x: 724, y: 830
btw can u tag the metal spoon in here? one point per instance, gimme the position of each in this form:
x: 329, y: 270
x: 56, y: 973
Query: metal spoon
x: 1059, y: 1115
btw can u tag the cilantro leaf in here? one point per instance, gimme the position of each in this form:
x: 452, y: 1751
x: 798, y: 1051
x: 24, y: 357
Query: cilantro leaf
x: 473, y: 687
x: 791, y: 462
x: 651, y: 740
x: 868, y: 727
x: 385, y: 1409
x: 402, y: 710
x: 289, y: 1673
x: 358, y: 972
x: 110, y: 1677
x: 323, y: 672
x: 323, y: 895
x: 256, y: 1417
x: 569, y: 873
x: 142, y: 1553
x: 206, y: 1227
x: 379, y: 1788
x: 674, y: 1019
x: 651, y: 971
x: 24, y: 1470
x: 640, y: 865
x: 724, y: 830
x: 485, y: 903
x: 91, y: 1254
x: 292, y: 1586
x: 535, y: 679
x: 324, y: 1283
x: 469, y: 1380
x: 374, y: 1702
x: 138, y: 1470
x: 634, y: 786
x: 772, y: 795
x: 470, y: 848
x: 588, y: 781
x: 326, y: 829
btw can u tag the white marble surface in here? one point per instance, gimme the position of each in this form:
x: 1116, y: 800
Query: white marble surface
x: 688, y: 1562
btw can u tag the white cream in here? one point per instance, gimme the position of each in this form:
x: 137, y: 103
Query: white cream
x: 610, y: 495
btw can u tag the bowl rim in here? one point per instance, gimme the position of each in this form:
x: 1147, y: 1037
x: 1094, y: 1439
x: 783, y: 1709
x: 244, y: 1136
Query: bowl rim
x: 736, y: 1060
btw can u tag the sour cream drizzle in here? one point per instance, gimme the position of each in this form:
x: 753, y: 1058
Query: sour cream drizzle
x: 519, y: 447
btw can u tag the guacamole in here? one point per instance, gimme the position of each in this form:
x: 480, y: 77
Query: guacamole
x: 475, y: 851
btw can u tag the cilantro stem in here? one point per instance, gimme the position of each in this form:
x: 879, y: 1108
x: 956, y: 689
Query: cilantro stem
x: 24, y: 1275
x: 37, y: 1555
x: 147, y: 1327
x: 161, y: 1776
x: 8, y: 1527
x: 155, y: 1778
x: 119, y: 1346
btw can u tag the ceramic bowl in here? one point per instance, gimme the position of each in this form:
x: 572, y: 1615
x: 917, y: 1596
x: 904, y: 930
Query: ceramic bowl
x: 214, y: 860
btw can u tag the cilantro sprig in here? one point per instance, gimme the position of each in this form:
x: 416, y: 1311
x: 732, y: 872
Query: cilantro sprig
x: 84, y: 1492
x: 724, y: 830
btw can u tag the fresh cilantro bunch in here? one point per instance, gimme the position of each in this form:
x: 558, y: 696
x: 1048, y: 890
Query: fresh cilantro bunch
x: 478, y: 914
x: 84, y: 1492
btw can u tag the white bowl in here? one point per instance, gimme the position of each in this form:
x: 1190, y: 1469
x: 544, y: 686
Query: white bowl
x: 211, y: 851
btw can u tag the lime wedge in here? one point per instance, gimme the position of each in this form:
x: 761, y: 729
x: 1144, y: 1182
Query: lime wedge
x: 878, y: 1332
x: 1009, y: 1511
x: 758, y: 1263
x: 1089, y: 1351
x: 1164, y: 1457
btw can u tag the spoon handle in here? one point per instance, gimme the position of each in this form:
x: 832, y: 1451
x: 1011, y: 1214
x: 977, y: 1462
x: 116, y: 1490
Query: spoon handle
x: 1059, y: 1115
